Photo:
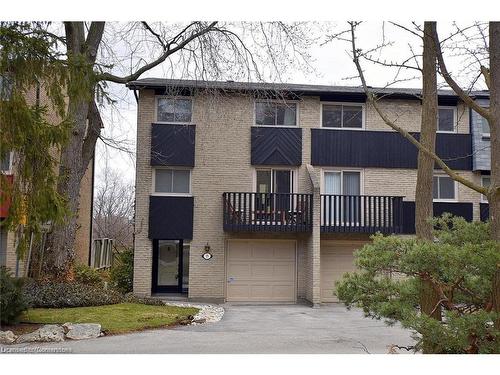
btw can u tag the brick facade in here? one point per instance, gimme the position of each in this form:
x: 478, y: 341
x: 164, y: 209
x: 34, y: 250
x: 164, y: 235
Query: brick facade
x: 222, y: 164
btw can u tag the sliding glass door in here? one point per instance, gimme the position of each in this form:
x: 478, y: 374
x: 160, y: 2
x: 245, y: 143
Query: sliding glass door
x: 346, y: 186
x: 272, y: 207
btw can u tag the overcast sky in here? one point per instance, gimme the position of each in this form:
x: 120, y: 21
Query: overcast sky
x: 331, y: 66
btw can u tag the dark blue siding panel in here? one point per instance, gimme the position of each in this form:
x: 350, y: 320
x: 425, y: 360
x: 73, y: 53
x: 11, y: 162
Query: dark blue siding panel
x: 276, y: 146
x: 381, y: 149
x: 170, y: 217
x: 454, y: 208
x: 172, y: 144
x: 484, y: 211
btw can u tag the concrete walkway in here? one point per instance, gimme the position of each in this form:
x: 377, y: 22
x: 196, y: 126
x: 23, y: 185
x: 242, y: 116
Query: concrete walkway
x: 258, y: 329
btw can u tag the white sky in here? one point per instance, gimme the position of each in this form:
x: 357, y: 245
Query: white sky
x: 332, y: 66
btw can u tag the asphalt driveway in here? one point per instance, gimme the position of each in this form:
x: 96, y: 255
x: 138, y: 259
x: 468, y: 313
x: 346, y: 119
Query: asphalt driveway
x: 258, y: 329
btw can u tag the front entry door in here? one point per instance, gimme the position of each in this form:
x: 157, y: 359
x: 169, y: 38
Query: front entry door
x: 170, y: 266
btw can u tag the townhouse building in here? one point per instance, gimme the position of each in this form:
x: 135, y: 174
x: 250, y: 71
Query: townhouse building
x: 254, y: 192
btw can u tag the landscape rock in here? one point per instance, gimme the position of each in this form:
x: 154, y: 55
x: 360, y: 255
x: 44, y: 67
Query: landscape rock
x: 207, y: 314
x: 46, y: 333
x: 82, y: 331
x: 7, y: 337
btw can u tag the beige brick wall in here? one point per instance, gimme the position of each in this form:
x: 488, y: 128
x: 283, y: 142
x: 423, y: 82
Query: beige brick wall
x: 407, y: 114
x: 143, y: 249
x: 222, y: 163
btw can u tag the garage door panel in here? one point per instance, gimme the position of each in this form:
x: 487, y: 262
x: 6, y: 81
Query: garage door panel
x: 242, y: 270
x: 335, y: 261
x: 261, y: 271
x: 240, y: 250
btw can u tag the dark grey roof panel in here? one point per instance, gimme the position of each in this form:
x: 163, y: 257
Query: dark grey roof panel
x: 161, y: 83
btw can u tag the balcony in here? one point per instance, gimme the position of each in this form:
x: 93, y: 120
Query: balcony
x: 267, y: 212
x: 361, y: 214
x: 5, y: 200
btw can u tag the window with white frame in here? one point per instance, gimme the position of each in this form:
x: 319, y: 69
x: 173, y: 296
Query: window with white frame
x: 446, y: 119
x: 444, y: 188
x: 172, y: 181
x: 485, y: 126
x: 6, y: 163
x: 275, y: 113
x: 342, y: 116
x: 5, y: 87
x: 342, y: 182
x: 485, y: 182
x: 174, y: 110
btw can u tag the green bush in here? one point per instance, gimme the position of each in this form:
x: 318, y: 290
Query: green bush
x: 87, y: 275
x: 460, y: 263
x: 122, y: 271
x: 69, y: 294
x: 12, y: 302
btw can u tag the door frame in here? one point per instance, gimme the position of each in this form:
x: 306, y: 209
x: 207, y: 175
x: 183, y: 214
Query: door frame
x: 155, y: 288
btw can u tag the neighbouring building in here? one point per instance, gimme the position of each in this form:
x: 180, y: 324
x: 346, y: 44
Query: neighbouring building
x: 8, y: 255
x: 250, y: 192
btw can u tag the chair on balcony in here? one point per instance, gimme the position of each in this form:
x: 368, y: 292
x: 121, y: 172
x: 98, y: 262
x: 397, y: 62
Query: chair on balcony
x: 234, y: 214
x: 298, y: 214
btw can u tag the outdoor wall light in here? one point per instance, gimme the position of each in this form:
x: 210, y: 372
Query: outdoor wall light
x: 207, y: 255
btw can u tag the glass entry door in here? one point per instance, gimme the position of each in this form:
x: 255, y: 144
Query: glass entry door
x: 170, y: 266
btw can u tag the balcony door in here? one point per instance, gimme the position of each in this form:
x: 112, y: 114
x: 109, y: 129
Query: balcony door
x: 345, y: 206
x: 170, y: 266
x: 279, y: 181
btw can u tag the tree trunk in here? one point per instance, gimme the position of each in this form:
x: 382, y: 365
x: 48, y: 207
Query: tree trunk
x: 428, y: 128
x: 423, y: 193
x: 494, y: 123
x: 60, y: 252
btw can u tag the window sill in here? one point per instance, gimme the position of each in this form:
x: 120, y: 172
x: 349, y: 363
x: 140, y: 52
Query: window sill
x: 445, y: 200
x: 171, y: 195
x: 276, y: 126
x: 172, y: 123
x: 344, y: 128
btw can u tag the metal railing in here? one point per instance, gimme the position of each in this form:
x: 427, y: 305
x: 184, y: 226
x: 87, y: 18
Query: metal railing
x: 361, y: 213
x: 275, y: 212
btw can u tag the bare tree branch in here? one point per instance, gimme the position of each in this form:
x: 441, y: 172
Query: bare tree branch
x: 372, y: 98
x: 168, y: 52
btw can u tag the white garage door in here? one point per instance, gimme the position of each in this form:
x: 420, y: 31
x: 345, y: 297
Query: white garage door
x: 336, y: 259
x: 261, y: 271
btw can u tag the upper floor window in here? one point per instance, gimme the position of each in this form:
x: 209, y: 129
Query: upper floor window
x: 174, y: 110
x: 274, y: 180
x: 173, y: 181
x: 485, y: 182
x: 276, y: 113
x: 444, y: 188
x: 342, y: 182
x: 485, y: 126
x: 6, y: 163
x: 342, y: 116
x: 5, y: 87
x: 446, y: 119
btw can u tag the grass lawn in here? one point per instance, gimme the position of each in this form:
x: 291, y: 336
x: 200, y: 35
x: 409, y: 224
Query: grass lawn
x: 119, y: 318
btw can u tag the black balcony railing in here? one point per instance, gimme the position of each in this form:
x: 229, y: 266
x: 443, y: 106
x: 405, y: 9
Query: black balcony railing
x: 267, y: 212
x: 361, y: 213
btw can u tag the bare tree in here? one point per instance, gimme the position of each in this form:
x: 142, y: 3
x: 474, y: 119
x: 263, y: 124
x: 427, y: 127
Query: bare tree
x: 100, y: 54
x: 114, y: 208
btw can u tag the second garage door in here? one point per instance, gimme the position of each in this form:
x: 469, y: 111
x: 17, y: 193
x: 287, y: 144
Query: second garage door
x: 336, y: 259
x: 261, y: 271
